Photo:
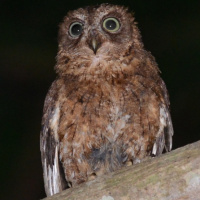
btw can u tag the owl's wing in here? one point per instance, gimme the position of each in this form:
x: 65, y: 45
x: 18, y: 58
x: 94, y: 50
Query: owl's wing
x: 165, y: 132
x: 54, y: 179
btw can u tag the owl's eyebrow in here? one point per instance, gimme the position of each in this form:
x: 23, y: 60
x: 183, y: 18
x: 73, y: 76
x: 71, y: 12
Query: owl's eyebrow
x: 112, y: 14
x: 74, y: 19
x: 80, y: 16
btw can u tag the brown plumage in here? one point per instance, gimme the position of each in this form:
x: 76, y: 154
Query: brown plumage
x: 108, y: 106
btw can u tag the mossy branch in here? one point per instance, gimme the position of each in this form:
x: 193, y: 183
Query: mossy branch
x: 171, y: 176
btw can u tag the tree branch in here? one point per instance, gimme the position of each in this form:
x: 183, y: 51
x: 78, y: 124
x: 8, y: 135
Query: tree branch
x: 171, y: 176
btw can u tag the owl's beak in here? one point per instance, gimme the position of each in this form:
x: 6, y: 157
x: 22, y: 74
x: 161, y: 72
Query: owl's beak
x: 94, y: 44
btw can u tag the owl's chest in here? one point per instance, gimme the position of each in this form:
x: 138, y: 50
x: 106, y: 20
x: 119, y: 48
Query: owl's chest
x: 97, y: 110
x: 112, y: 111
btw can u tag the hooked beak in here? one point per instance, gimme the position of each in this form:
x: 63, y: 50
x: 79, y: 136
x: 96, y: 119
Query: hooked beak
x: 94, y: 44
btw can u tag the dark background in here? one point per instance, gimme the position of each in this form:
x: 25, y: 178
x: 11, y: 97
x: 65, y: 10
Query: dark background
x: 28, y: 46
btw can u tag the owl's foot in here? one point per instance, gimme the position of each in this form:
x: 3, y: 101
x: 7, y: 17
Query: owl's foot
x: 92, y: 177
x: 129, y: 163
x: 69, y: 184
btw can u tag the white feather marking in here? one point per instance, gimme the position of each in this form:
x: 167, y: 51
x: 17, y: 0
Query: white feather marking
x: 154, y: 149
x: 45, y: 176
x: 51, y: 172
x: 118, y: 123
x: 163, y: 123
x: 136, y: 160
x: 72, y: 175
x: 54, y: 122
x: 52, y: 176
x: 56, y: 174
x: 110, y: 128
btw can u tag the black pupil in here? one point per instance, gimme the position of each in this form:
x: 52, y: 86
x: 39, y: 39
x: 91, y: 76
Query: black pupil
x: 76, y: 29
x: 111, y: 25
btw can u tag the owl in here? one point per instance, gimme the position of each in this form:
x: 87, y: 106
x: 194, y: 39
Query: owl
x: 108, y: 106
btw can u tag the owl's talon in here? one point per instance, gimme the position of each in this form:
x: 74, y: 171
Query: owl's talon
x: 92, y: 177
x: 129, y: 163
x: 69, y: 184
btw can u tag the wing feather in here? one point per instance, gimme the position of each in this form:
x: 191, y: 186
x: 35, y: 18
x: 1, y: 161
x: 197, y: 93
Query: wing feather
x: 165, y: 132
x: 54, y: 179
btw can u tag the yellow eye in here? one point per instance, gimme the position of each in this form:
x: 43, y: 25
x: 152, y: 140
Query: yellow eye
x: 111, y: 24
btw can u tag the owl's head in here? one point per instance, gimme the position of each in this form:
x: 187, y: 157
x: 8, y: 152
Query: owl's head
x: 93, y: 38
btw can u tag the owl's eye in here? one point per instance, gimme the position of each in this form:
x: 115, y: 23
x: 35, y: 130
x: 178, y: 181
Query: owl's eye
x: 76, y: 29
x: 111, y: 24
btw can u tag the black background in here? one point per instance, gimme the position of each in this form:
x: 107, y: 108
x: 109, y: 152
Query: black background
x: 28, y: 46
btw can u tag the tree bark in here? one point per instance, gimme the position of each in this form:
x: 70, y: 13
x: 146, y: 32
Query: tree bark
x: 171, y: 176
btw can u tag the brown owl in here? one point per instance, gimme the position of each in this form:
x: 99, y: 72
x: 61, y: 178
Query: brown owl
x: 108, y: 106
